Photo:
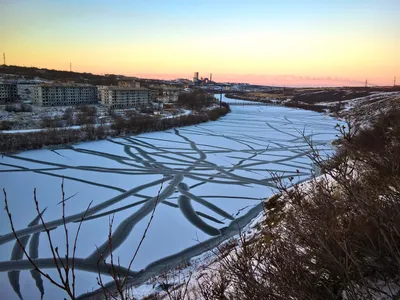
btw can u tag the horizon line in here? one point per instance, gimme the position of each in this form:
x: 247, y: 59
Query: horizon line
x: 159, y: 76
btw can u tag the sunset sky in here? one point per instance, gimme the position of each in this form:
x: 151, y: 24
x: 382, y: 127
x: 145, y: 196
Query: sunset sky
x: 271, y: 42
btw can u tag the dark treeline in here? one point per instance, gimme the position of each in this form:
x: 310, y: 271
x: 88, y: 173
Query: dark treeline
x: 58, y: 75
x: 330, y: 96
x: 309, y: 101
x: 18, y: 108
x: 197, y: 99
x: 10, y: 142
x: 6, y: 125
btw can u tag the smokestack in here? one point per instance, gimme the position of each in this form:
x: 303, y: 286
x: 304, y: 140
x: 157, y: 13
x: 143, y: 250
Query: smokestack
x: 210, y: 76
x: 195, y: 76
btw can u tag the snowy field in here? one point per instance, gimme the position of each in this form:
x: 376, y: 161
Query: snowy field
x: 212, y: 177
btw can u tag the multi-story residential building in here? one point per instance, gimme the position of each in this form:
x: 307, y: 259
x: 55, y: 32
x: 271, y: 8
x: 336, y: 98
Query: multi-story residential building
x: 8, y: 92
x: 165, y: 93
x: 100, y: 89
x: 124, y: 97
x: 170, y: 94
x: 57, y: 94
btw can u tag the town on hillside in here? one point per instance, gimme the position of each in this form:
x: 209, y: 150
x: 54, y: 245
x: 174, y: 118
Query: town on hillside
x: 41, y: 98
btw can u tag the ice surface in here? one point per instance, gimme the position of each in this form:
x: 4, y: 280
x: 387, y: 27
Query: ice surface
x: 227, y: 164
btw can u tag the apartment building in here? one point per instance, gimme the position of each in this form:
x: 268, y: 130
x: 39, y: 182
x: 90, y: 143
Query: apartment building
x: 124, y: 97
x: 57, y: 94
x: 8, y: 92
x: 165, y: 93
x: 170, y: 94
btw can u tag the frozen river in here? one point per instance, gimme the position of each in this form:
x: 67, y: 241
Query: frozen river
x: 212, y: 177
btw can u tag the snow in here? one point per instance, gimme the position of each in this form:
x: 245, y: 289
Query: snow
x: 37, y: 129
x: 185, y: 112
x: 227, y: 163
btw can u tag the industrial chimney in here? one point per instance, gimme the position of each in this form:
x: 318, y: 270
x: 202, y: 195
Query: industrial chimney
x: 195, y: 76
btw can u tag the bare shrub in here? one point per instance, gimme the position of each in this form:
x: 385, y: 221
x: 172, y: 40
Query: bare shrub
x: 51, y: 122
x: 68, y: 116
x: 64, y: 264
x: 173, y: 285
x: 18, y: 108
x: 6, y: 125
x: 84, y: 118
x: 87, y: 109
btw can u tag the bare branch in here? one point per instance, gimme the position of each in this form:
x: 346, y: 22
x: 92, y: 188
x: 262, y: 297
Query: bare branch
x: 74, y: 250
x: 23, y: 248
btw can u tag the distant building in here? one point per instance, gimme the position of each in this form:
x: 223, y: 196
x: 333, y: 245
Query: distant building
x: 57, y: 94
x: 8, y: 92
x: 165, y: 93
x: 170, y: 94
x: 195, y: 77
x: 124, y: 97
x: 201, y: 81
x: 100, y: 88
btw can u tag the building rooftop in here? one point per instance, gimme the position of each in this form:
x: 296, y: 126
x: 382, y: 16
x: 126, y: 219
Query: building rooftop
x: 62, y: 84
x: 126, y: 88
